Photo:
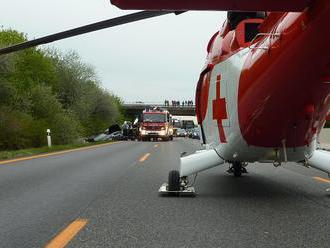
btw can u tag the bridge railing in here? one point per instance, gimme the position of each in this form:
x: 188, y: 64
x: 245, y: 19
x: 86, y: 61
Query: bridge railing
x: 135, y: 108
x: 153, y: 104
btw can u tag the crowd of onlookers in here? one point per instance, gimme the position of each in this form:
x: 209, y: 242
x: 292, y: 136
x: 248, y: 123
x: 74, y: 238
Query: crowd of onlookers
x: 178, y: 103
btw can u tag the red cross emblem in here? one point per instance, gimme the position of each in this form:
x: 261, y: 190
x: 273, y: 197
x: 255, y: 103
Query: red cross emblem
x: 220, y: 111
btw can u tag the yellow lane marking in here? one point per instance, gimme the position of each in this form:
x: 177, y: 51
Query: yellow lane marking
x: 144, y: 157
x: 322, y: 179
x: 156, y: 145
x: 66, y: 235
x: 54, y: 153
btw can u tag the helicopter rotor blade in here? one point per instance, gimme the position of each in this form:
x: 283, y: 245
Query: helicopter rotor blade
x: 215, y: 5
x: 138, y: 16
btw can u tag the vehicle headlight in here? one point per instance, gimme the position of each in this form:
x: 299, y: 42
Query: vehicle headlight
x: 143, y: 128
x: 162, y: 128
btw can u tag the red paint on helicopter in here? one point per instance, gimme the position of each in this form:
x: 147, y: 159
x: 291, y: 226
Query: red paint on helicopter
x: 292, y: 66
x: 219, y: 111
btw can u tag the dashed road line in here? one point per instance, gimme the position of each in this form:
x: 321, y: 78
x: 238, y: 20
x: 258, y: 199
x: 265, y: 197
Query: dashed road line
x: 324, y: 180
x: 66, y: 235
x: 144, y: 157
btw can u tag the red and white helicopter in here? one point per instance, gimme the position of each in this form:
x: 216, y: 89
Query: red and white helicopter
x: 264, y: 93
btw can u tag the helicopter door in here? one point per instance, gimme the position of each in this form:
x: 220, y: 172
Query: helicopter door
x: 202, y: 95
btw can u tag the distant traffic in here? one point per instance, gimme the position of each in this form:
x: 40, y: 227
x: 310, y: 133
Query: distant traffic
x: 153, y: 124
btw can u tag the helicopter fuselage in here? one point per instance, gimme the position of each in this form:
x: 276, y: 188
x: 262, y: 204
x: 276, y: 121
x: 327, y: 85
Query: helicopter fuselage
x: 266, y: 99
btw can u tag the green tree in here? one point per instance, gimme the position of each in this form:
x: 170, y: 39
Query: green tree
x: 65, y: 128
x: 42, y: 89
x: 15, y: 129
x: 44, y: 103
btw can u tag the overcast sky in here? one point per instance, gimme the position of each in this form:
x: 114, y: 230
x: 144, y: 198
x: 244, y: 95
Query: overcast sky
x: 147, y: 61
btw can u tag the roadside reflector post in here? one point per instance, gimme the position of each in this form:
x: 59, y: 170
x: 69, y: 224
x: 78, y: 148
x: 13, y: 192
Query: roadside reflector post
x: 49, y: 139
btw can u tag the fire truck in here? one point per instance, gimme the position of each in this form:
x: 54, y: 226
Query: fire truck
x: 156, y: 123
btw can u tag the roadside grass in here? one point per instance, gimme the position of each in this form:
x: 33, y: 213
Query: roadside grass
x: 45, y: 149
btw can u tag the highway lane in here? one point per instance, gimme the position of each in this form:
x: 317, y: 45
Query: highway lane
x: 39, y: 197
x: 114, y: 189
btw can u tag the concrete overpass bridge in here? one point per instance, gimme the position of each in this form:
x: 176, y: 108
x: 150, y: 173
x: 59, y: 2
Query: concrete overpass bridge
x: 134, y: 109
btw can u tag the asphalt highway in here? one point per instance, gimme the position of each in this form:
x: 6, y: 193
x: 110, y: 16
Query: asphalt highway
x: 107, y: 197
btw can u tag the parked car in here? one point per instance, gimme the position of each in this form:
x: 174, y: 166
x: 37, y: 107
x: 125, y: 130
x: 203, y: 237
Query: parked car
x: 195, y: 134
x: 181, y: 133
x: 190, y: 132
x: 118, y: 135
x: 100, y: 137
x: 112, y: 133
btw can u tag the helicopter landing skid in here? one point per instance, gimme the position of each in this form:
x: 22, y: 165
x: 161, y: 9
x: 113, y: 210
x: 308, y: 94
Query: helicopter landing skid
x: 187, y: 191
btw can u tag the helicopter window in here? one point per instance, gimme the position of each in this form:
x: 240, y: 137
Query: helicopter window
x: 247, y: 30
x: 235, y: 17
x: 251, y: 30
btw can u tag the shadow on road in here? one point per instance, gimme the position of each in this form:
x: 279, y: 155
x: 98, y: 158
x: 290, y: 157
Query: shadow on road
x: 248, y: 186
